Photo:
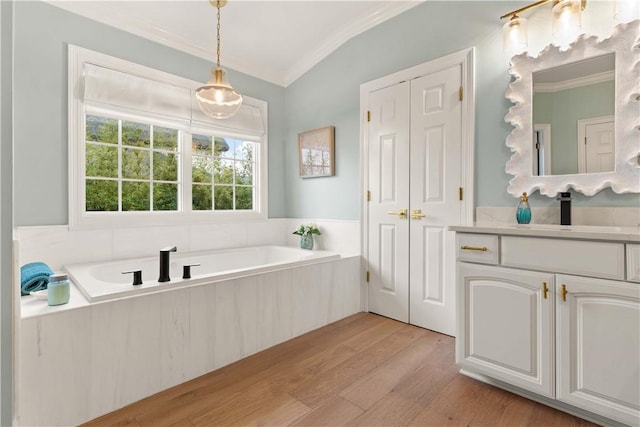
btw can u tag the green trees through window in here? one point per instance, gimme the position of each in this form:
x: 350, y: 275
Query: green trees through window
x: 134, y: 166
x: 222, y: 173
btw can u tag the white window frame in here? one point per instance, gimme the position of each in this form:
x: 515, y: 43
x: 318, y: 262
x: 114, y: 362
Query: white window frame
x: 80, y: 219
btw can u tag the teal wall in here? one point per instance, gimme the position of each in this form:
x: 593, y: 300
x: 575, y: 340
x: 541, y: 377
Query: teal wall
x: 563, y: 109
x: 42, y: 33
x: 329, y: 94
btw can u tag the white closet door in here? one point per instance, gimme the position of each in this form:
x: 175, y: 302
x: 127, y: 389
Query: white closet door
x: 435, y: 169
x: 389, y: 186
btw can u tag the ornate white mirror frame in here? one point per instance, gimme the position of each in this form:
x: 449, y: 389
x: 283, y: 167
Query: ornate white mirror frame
x: 625, y: 42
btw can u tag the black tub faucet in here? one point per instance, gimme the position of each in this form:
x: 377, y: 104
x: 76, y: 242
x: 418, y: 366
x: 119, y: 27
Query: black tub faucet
x: 164, y: 263
x: 565, y: 208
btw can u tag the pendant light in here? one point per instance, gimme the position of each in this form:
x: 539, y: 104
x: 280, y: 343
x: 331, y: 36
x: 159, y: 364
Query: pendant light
x: 217, y: 98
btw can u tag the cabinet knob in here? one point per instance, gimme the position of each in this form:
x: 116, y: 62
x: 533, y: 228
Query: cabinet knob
x: 564, y: 292
x: 545, y: 290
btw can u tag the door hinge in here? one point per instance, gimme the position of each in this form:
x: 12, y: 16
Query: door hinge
x: 368, y: 116
x: 460, y: 93
x: 460, y: 193
x: 368, y: 196
x: 538, y: 146
x: 367, y: 276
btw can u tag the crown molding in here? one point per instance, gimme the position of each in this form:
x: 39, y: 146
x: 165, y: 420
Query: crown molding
x: 101, y: 12
x: 573, y: 83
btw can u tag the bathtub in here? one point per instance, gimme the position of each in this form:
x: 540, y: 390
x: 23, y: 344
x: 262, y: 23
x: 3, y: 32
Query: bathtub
x: 105, y: 281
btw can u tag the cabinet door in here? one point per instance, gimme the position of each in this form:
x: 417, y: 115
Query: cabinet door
x: 598, y: 341
x: 506, y: 325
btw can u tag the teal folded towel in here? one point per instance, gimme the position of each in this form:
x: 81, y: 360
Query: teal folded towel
x: 34, y: 277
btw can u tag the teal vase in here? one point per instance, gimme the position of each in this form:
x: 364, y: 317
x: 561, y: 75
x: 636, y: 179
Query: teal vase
x: 523, y: 212
x: 306, y: 241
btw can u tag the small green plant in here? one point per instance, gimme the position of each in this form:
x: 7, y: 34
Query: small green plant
x: 307, y: 229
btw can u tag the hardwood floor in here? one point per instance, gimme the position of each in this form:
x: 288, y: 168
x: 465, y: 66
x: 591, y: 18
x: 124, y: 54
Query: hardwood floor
x: 365, y: 370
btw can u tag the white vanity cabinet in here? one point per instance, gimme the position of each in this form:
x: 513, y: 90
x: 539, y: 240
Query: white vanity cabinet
x: 598, y: 346
x: 507, y: 325
x: 553, y: 315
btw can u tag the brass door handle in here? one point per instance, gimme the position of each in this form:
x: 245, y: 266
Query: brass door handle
x: 474, y: 248
x: 417, y: 214
x: 402, y: 213
x: 564, y: 292
x: 545, y: 290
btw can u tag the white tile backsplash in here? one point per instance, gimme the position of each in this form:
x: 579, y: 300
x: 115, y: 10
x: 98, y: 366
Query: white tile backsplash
x: 58, y: 246
x: 147, y: 241
x: 337, y: 236
x: 218, y: 236
x: 596, y: 216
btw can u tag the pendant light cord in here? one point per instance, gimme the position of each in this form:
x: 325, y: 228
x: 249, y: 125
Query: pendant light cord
x: 218, y: 29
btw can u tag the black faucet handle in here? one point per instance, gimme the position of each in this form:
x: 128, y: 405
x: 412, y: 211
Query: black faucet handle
x: 186, y: 270
x: 137, y: 276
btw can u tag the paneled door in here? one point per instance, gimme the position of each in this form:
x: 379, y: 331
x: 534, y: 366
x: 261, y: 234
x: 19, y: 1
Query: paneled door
x: 435, y: 179
x: 598, y: 145
x: 414, y: 146
x: 389, y: 193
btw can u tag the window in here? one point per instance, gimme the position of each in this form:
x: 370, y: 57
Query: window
x: 130, y: 166
x: 222, y: 173
x: 152, y: 159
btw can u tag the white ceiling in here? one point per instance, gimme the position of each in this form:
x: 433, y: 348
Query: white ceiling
x: 277, y: 41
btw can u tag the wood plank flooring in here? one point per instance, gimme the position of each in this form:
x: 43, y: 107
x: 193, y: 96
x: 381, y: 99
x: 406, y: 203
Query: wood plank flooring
x: 365, y: 370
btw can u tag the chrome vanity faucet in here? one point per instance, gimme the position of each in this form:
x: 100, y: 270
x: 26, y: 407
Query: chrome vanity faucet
x: 164, y: 263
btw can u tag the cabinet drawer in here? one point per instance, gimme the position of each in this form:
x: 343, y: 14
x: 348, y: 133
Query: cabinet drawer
x: 633, y: 263
x: 480, y: 248
x: 595, y: 259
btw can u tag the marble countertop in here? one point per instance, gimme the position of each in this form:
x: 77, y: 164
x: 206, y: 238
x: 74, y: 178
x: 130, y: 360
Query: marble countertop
x: 581, y: 232
x: 31, y: 306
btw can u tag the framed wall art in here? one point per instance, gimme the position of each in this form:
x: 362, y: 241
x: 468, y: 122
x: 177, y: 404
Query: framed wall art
x: 316, y: 152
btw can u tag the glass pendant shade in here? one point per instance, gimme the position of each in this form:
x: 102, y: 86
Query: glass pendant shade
x: 217, y: 98
x: 626, y: 10
x: 567, y: 21
x: 514, y: 36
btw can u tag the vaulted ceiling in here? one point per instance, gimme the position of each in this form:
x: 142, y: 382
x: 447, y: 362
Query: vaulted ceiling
x: 277, y: 41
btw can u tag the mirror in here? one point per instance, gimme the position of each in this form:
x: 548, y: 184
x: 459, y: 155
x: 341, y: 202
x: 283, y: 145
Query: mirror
x: 591, y: 91
x: 573, y: 117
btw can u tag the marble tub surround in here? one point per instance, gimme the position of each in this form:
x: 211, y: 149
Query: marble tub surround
x: 78, y: 364
x: 596, y: 216
x: 337, y: 236
x: 30, y: 306
x: 57, y: 245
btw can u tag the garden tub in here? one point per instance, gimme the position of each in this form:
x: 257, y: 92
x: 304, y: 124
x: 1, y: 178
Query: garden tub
x: 105, y: 281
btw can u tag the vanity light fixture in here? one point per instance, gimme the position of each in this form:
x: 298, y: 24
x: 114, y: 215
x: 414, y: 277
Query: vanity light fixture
x: 567, y: 22
x: 217, y: 98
